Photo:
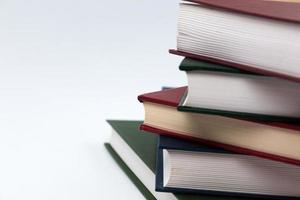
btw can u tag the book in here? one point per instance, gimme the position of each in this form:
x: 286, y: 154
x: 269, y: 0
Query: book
x: 135, y: 152
x: 135, y: 180
x: 237, y: 93
x: 277, y: 141
x: 287, y: 10
x: 249, y: 42
x: 193, y: 168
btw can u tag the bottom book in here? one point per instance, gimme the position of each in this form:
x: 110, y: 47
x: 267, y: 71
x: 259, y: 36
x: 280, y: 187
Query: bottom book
x: 137, y: 182
x: 188, y: 167
x: 135, y: 152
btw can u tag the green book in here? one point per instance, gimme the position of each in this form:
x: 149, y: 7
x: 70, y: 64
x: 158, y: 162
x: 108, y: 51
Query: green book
x: 189, y: 64
x: 135, y: 153
x: 135, y: 180
x: 223, y: 90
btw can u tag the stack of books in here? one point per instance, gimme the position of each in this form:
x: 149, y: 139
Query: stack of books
x: 234, y: 131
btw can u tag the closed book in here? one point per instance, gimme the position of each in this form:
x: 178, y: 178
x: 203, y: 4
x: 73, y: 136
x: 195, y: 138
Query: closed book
x: 135, y: 153
x: 223, y: 90
x: 286, y: 10
x: 188, y: 167
x: 277, y: 141
x: 135, y: 180
x: 210, y: 30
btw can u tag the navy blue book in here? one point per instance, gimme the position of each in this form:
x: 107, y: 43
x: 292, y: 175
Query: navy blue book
x: 186, y: 167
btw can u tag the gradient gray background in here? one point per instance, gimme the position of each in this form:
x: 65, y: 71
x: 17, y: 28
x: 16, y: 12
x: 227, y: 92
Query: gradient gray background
x: 65, y: 67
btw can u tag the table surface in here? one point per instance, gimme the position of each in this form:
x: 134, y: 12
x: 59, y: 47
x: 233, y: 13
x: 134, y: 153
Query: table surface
x: 65, y: 67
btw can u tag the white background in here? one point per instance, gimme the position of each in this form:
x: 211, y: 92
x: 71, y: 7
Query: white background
x: 65, y: 67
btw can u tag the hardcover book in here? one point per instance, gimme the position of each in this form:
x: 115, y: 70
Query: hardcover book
x: 223, y: 90
x: 135, y: 180
x: 193, y: 168
x: 277, y: 141
x: 286, y: 10
x: 214, y: 31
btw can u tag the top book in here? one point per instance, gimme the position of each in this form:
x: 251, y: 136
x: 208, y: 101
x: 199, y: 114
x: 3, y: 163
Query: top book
x: 234, y: 33
x: 288, y: 10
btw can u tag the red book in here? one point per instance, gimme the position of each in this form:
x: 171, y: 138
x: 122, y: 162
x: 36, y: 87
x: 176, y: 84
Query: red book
x: 275, y: 141
x: 288, y: 10
x: 253, y: 35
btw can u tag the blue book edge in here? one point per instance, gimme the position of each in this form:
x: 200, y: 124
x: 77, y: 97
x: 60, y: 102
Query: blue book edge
x: 165, y: 142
